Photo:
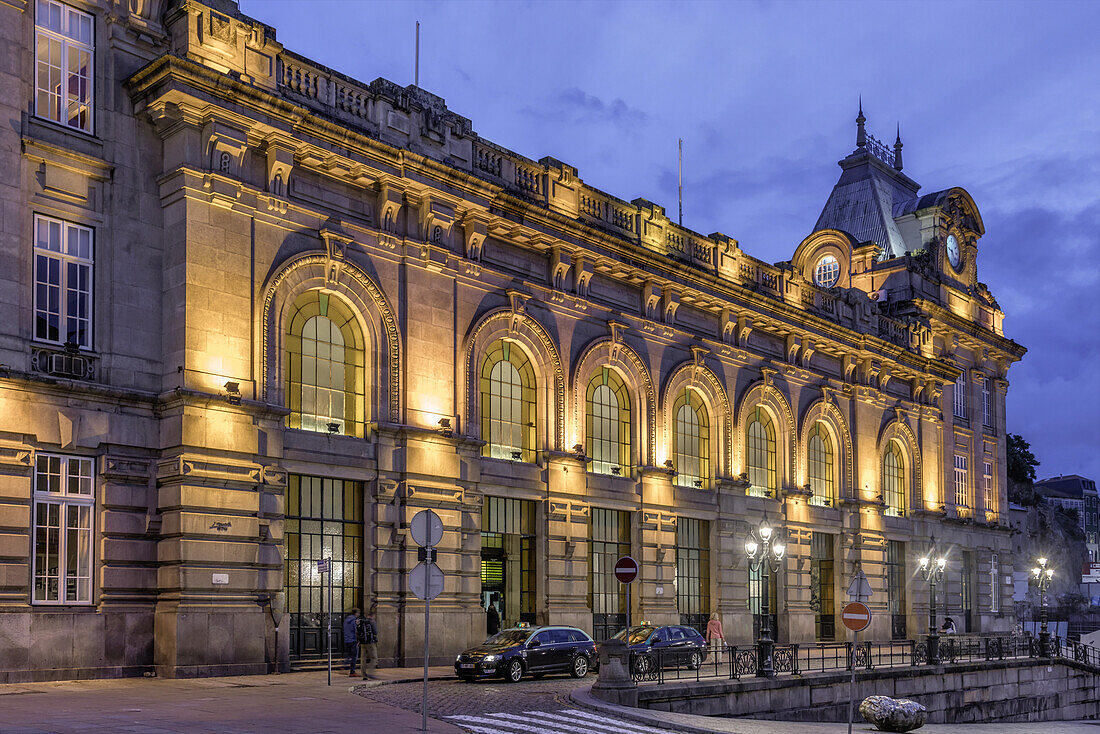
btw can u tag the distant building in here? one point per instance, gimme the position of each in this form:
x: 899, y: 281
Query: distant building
x: 1074, y: 492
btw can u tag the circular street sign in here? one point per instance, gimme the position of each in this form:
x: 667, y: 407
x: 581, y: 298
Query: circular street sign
x: 427, y: 528
x: 856, y: 616
x: 426, y: 581
x: 626, y: 569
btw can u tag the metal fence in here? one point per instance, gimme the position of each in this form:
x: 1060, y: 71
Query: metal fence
x: 735, y: 661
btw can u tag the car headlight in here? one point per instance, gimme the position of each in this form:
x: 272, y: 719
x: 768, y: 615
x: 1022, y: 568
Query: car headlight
x: 458, y: 657
x: 490, y: 658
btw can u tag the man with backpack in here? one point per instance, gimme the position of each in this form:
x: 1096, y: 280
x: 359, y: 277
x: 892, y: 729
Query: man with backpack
x: 367, y: 634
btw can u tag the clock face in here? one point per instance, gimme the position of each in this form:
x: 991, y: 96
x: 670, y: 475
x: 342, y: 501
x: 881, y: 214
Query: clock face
x: 953, y: 251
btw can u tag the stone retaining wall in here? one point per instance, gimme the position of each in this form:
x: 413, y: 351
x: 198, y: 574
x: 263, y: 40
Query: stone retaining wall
x: 1009, y: 691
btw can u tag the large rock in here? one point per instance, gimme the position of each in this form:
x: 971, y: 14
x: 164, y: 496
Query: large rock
x: 889, y: 714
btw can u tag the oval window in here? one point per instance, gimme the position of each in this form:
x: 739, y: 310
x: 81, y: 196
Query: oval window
x: 827, y: 272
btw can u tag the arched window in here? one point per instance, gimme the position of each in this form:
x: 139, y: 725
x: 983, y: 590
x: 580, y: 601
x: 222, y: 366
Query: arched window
x: 893, y: 480
x: 760, y: 445
x: 608, y: 424
x: 819, y: 456
x: 325, y: 358
x: 508, y: 403
x: 691, y: 441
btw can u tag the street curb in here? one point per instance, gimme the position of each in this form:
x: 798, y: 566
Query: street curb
x: 365, y: 685
x: 660, y: 719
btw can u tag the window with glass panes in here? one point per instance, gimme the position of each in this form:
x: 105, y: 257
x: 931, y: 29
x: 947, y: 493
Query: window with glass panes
x: 893, y: 480
x: 64, y: 500
x: 693, y: 572
x: 62, y: 282
x: 324, y: 519
x: 819, y: 455
x: 822, y: 594
x: 989, y: 497
x: 987, y: 402
x: 508, y: 403
x: 967, y: 601
x: 608, y: 423
x: 761, y: 581
x: 994, y: 583
x: 895, y: 587
x: 962, y: 484
x: 760, y: 451
x: 691, y: 441
x: 64, y: 69
x: 960, y: 396
x: 609, y: 533
x: 325, y: 375
x: 508, y: 548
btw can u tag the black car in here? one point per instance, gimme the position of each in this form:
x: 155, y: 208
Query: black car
x: 669, y: 646
x: 515, y: 652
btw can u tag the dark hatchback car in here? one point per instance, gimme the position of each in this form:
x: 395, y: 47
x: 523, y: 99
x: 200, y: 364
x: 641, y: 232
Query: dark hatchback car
x: 670, y: 646
x: 536, y: 651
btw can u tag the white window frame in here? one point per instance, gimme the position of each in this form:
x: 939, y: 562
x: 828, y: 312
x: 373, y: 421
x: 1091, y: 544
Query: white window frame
x: 827, y: 272
x: 994, y: 584
x: 962, y: 481
x: 987, y: 487
x: 70, y: 469
x: 69, y: 31
x: 960, y: 396
x: 72, y: 247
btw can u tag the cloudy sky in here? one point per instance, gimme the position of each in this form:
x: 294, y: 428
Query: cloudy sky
x: 1000, y: 98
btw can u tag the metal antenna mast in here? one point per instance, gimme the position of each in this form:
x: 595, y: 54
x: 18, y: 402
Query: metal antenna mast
x: 681, y: 182
x: 416, y: 68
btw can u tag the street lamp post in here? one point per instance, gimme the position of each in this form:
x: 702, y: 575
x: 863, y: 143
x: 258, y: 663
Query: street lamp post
x: 932, y: 566
x: 1043, y: 576
x: 765, y: 551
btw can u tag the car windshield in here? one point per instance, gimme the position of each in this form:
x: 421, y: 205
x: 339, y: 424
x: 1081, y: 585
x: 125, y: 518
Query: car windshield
x: 636, y: 635
x: 507, y: 638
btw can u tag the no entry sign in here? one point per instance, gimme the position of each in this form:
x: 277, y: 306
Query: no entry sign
x: 856, y: 616
x: 626, y: 569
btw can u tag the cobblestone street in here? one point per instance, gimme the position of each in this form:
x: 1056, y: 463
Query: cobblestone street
x: 452, y: 697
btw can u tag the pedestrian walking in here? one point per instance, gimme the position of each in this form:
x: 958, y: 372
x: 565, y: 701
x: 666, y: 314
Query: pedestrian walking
x: 948, y: 627
x: 716, y: 639
x: 351, y: 639
x: 367, y: 635
x: 492, y: 617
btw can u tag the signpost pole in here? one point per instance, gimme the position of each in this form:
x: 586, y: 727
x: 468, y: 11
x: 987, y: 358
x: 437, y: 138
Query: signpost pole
x: 424, y: 700
x: 852, y: 681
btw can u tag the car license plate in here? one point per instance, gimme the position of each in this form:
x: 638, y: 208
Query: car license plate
x: 466, y: 665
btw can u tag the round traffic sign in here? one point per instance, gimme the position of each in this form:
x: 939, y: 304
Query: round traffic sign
x: 626, y: 569
x: 426, y: 581
x: 427, y: 528
x: 856, y: 616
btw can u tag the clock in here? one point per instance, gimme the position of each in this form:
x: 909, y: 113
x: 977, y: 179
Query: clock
x: 953, y: 251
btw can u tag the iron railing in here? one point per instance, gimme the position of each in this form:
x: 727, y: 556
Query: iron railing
x: 736, y: 661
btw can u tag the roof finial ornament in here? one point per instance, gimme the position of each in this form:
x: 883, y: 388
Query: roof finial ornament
x: 897, y: 150
x: 861, y: 132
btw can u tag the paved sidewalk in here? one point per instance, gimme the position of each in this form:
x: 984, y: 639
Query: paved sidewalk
x: 276, y: 704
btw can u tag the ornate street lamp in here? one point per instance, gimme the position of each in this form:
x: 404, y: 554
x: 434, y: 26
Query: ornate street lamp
x: 932, y: 566
x: 1043, y: 576
x: 765, y: 551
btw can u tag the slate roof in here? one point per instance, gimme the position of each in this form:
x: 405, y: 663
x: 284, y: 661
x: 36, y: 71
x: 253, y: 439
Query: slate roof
x: 1071, y: 486
x: 863, y: 202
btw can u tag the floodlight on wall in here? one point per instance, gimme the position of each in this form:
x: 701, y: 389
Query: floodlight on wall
x: 445, y: 427
x: 517, y: 455
x: 233, y: 392
x: 333, y: 427
x: 578, y: 449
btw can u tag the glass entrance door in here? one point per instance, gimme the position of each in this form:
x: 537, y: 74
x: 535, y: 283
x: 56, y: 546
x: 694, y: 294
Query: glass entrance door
x: 610, y: 534
x: 324, y: 519
x: 507, y: 560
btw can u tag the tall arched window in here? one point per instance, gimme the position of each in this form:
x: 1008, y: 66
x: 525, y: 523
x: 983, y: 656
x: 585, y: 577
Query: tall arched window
x: 691, y: 441
x: 819, y: 456
x: 893, y: 480
x: 325, y: 357
x: 760, y: 445
x: 608, y: 424
x: 508, y: 403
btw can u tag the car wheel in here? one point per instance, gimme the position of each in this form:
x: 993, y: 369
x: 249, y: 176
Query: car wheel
x: 515, y: 671
x: 580, y: 667
x: 694, y: 661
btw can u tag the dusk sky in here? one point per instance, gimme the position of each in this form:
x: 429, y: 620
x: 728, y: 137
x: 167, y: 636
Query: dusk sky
x: 1000, y: 98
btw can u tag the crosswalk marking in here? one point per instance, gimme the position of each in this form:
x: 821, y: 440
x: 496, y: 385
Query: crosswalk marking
x: 564, y: 721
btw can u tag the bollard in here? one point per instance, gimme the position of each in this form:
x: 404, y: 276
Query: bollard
x: 614, y: 683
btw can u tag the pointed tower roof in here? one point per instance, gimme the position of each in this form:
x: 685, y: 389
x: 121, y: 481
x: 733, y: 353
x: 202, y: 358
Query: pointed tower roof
x: 871, y: 186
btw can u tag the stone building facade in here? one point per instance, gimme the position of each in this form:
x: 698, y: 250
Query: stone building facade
x: 257, y: 313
